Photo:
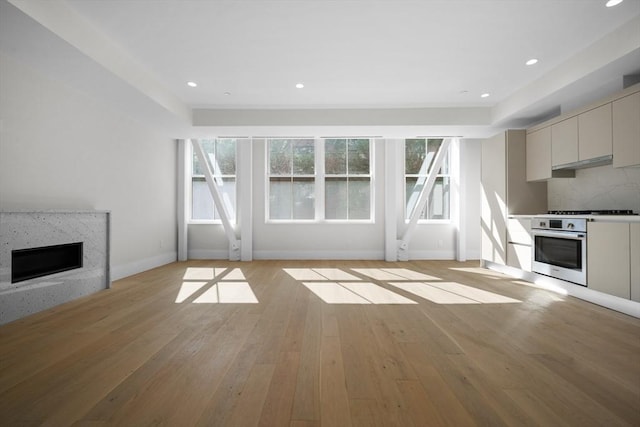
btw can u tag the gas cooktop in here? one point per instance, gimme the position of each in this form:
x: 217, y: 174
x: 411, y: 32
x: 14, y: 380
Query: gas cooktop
x: 593, y: 212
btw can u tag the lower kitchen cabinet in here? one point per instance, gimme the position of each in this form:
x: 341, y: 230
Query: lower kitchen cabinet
x: 609, y: 258
x: 519, y: 256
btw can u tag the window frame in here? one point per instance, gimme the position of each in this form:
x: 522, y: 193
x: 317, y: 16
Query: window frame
x: 191, y: 155
x: 268, y: 176
x: 449, y: 175
x: 319, y: 182
x: 347, y: 175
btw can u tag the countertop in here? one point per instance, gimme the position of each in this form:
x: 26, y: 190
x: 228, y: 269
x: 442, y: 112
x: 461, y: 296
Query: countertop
x: 595, y: 218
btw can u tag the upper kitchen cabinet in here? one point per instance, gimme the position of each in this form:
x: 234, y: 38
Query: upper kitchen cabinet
x: 626, y: 131
x: 604, y: 132
x: 538, y: 149
x: 505, y: 191
x: 595, y: 133
x: 564, y: 142
x: 538, y: 162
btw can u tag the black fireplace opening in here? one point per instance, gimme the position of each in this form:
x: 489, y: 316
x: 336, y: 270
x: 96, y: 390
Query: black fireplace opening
x: 37, y: 262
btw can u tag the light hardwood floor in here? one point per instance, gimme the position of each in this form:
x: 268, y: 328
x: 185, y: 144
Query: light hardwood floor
x: 157, y: 349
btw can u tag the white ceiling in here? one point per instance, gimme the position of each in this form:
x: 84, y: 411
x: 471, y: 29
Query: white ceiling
x: 362, y: 54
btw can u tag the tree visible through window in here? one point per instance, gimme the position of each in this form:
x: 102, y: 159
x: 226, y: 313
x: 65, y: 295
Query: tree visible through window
x: 341, y: 165
x: 291, y: 178
x: 418, y: 155
x: 347, y: 179
x: 222, y: 157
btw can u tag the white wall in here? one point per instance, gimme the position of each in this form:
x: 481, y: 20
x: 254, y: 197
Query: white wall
x: 349, y: 241
x: 470, y: 176
x: 60, y: 149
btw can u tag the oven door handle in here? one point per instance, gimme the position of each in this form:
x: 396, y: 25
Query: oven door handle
x: 560, y: 234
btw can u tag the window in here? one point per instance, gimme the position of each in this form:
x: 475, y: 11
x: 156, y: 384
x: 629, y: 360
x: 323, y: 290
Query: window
x: 319, y: 179
x: 291, y: 170
x: 347, y: 179
x: 222, y: 156
x: 418, y: 155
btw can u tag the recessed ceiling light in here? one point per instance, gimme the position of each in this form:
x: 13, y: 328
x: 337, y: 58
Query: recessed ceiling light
x: 192, y: 84
x: 484, y: 95
x: 532, y: 61
x: 612, y: 3
x: 299, y: 85
x: 227, y: 93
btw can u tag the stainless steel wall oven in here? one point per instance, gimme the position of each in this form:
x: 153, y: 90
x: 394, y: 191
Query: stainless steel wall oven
x: 560, y: 248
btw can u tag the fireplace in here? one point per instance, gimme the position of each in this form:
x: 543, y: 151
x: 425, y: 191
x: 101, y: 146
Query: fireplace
x: 36, y: 244
x: 41, y: 261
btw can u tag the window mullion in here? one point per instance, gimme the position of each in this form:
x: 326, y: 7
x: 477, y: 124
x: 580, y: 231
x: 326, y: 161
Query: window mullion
x: 320, y: 178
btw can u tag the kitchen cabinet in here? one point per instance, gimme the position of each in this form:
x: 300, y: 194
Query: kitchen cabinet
x: 538, y: 157
x: 626, y: 131
x: 595, y: 133
x: 634, y: 248
x: 608, y: 258
x: 564, y: 142
x: 505, y: 191
x: 519, y: 243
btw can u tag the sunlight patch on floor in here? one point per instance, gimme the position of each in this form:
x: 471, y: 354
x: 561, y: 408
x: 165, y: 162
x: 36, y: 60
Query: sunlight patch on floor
x: 405, y: 273
x: 335, y: 274
x: 453, y: 293
x: 377, y: 274
x: 202, y: 273
x: 228, y: 293
x: 319, y: 274
x: 432, y: 293
x: 333, y: 293
x: 376, y: 294
x: 480, y: 295
x: 235, y: 274
x: 187, y: 289
x: 221, y: 285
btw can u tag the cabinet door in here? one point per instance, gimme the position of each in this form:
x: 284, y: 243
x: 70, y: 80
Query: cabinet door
x: 608, y: 268
x: 493, y: 204
x: 595, y: 133
x: 539, y: 154
x: 635, y: 261
x: 519, y: 256
x: 626, y: 131
x: 564, y: 142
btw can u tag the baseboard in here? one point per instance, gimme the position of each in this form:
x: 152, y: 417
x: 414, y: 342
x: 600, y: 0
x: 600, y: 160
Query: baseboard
x: 207, y: 254
x: 433, y: 255
x: 324, y: 255
x: 131, y: 268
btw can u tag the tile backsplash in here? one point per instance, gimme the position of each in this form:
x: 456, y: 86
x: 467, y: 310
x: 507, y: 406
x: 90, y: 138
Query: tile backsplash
x: 603, y: 187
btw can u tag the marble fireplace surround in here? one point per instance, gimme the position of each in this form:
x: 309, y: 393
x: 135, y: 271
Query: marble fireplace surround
x: 31, y: 229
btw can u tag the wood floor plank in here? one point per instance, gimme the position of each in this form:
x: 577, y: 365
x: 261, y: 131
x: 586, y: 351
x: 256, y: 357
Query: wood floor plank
x: 138, y: 355
x: 334, y: 400
x: 306, y: 402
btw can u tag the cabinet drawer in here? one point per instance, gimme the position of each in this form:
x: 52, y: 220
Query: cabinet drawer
x: 519, y: 231
x: 519, y: 256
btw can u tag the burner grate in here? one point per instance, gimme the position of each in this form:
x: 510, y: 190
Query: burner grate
x: 593, y: 212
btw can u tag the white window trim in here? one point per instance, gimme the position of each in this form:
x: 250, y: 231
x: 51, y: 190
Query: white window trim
x: 319, y: 193
x: 190, y: 220
x: 423, y: 221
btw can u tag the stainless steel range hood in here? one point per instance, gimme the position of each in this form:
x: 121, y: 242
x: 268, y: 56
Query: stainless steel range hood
x: 582, y: 164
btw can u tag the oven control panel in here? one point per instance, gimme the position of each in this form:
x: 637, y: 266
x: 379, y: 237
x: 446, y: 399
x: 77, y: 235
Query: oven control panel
x: 560, y: 224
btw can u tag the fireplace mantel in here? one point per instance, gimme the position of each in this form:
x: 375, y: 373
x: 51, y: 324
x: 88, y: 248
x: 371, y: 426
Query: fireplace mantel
x: 33, y: 229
